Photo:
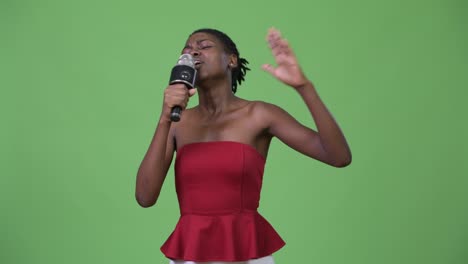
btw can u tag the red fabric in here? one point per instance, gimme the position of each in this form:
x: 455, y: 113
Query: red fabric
x: 218, y: 185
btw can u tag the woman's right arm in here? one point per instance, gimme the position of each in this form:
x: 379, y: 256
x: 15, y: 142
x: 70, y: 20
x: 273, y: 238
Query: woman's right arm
x: 158, y: 158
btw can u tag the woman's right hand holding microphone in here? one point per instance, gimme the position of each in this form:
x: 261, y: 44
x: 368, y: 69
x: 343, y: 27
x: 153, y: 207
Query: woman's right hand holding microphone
x: 175, y: 95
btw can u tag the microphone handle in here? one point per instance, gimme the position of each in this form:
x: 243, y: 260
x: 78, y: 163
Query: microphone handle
x: 175, y: 113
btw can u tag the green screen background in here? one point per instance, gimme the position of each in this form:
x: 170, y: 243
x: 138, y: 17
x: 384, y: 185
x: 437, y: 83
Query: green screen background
x: 81, y: 91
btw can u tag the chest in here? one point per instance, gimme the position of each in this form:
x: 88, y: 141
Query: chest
x: 232, y: 128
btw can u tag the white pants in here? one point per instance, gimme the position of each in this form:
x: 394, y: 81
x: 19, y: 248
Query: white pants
x: 264, y: 260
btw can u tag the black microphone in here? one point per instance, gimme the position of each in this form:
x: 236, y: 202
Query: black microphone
x: 184, y: 72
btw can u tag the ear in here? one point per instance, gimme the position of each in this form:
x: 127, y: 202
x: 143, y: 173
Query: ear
x: 233, y: 61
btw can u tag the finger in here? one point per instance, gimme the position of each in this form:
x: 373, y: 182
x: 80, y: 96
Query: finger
x: 284, y: 44
x: 268, y: 35
x: 176, y: 101
x: 177, y: 89
x: 192, y: 92
x: 273, y: 32
x: 268, y: 68
x: 273, y: 36
x: 273, y: 41
x: 175, y: 95
x: 278, y: 50
x: 283, y: 48
x: 184, y: 104
x: 177, y: 86
x: 278, y: 44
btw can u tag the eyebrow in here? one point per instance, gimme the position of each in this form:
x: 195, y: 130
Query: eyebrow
x: 200, y: 41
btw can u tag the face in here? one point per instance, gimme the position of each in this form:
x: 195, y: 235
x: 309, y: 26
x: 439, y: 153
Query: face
x: 211, y: 60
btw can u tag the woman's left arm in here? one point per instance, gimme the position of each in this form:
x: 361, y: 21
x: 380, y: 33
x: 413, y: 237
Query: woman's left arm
x: 328, y: 143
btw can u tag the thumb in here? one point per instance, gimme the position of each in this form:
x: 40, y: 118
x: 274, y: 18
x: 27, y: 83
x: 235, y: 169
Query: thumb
x: 192, y: 92
x: 269, y: 68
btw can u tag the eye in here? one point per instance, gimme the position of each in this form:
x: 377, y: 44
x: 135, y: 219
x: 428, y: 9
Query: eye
x: 186, y: 49
x: 205, y: 47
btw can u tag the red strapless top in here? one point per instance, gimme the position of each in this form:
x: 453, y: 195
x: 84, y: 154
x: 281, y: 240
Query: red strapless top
x: 218, y: 186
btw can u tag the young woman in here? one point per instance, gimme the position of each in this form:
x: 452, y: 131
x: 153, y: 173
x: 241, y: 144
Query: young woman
x: 222, y: 146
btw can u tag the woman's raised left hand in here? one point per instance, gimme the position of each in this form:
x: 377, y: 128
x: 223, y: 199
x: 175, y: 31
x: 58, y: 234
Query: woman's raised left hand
x: 287, y: 70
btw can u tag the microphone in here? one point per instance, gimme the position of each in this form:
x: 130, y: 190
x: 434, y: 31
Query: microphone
x: 183, y: 72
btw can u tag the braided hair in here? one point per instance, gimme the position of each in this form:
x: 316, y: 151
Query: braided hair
x: 239, y: 72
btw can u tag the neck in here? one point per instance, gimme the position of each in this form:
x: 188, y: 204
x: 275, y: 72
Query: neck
x: 215, y: 99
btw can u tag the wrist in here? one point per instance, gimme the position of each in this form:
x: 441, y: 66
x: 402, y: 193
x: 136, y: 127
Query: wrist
x: 164, y: 119
x: 307, y: 85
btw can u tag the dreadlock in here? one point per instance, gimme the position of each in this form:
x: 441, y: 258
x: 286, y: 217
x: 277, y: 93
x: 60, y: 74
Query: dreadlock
x: 239, y: 72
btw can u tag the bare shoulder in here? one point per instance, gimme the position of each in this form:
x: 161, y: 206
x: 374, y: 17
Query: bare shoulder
x: 264, y: 109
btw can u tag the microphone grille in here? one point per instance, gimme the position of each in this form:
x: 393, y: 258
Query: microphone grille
x: 186, y: 59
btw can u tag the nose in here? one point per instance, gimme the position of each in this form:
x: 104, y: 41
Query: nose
x: 194, y: 52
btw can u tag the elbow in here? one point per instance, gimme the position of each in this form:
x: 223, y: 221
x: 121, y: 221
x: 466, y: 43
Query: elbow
x: 145, y: 202
x: 342, y: 162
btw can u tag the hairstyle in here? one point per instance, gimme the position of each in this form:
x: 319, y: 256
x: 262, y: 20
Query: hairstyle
x: 238, y: 73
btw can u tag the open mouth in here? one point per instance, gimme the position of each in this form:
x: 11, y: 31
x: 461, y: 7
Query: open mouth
x: 197, y: 63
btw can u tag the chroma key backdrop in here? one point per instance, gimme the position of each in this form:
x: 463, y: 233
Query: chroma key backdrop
x: 81, y: 91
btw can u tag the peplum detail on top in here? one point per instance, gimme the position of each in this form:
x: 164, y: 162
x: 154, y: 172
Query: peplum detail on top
x: 218, y: 186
